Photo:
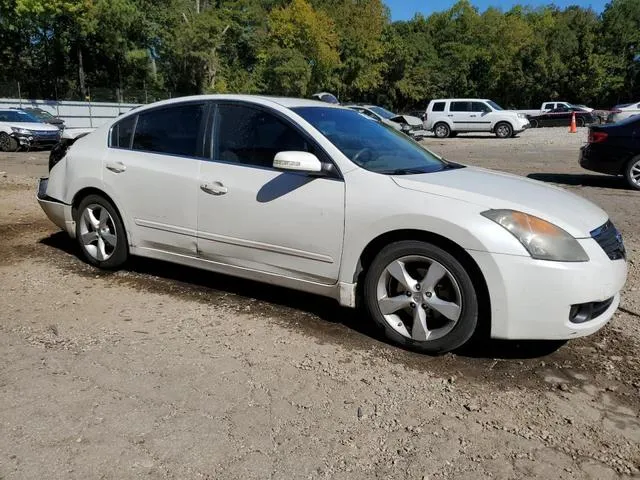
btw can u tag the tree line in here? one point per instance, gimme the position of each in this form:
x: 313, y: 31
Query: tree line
x: 63, y: 49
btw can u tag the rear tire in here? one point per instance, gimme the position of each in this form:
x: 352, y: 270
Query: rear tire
x: 100, y: 233
x: 632, y: 173
x: 8, y: 143
x: 503, y: 130
x: 441, y: 130
x: 432, y: 309
x: 533, y: 123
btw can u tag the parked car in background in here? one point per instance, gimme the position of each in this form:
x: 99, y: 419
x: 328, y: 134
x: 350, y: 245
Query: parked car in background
x: 19, y: 129
x: 549, y: 106
x: 620, y: 112
x: 410, y: 125
x: 448, y: 117
x: 44, y: 116
x: 318, y: 198
x: 326, y: 97
x: 561, y: 117
x: 614, y: 149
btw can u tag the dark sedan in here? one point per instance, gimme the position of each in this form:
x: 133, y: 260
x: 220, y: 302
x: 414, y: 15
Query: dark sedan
x: 614, y: 149
x: 561, y: 117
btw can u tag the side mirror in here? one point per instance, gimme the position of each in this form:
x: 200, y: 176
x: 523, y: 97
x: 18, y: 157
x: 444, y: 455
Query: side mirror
x: 297, y: 162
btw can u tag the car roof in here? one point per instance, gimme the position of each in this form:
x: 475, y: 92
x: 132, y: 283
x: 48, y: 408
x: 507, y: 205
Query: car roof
x: 286, y: 102
x: 461, y: 100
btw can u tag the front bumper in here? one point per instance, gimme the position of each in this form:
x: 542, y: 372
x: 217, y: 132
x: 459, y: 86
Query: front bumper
x: 58, y: 212
x: 532, y: 299
x: 37, y: 139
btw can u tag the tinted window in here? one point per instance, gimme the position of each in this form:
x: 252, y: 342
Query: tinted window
x: 371, y: 145
x: 438, y: 107
x: 253, y: 137
x: 172, y: 130
x: 478, y: 107
x: 17, y: 116
x: 459, y: 107
x: 548, y: 106
x: 121, y: 132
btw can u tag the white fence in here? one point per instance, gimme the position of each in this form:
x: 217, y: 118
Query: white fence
x: 74, y: 114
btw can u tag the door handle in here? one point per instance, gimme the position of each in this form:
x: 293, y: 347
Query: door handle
x: 449, y: 115
x: 214, y: 188
x: 116, y: 167
x: 473, y: 116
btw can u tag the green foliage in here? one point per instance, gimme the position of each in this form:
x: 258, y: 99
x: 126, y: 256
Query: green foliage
x: 110, y: 48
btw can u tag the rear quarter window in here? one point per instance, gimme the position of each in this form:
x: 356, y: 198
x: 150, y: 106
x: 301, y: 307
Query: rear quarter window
x: 122, y: 131
x: 438, y: 107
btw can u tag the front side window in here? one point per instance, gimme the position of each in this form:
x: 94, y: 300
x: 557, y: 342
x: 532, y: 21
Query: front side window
x: 173, y: 130
x: 383, y: 112
x: 252, y: 136
x: 459, y: 107
x: 479, y: 107
x: 371, y: 145
x: 438, y: 107
x: 494, y: 105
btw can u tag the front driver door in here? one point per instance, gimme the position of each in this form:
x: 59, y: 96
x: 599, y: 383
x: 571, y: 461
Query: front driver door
x: 255, y: 217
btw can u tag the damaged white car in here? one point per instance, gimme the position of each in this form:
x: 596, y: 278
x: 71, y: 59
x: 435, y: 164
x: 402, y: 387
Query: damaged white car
x: 407, y: 124
x: 18, y: 130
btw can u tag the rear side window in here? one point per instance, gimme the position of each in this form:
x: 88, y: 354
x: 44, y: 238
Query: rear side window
x: 438, y: 107
x: 174, y: 130
x: 459, y: 107
x: 251, y: 136
x: 122, y: 131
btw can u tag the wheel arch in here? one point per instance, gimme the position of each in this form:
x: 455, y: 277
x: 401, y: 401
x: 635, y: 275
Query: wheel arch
x: 90, y: 190
x: 374, y: 246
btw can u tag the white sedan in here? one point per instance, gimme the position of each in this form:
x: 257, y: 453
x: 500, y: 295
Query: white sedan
x: 318, y: 198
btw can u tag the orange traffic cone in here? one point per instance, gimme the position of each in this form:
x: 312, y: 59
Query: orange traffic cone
x: 572, y: 128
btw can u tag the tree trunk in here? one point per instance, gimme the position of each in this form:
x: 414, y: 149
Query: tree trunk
x: 81, y: 77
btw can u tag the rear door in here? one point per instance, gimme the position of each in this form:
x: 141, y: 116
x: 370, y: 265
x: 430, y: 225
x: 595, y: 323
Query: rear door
x: 152, y: 168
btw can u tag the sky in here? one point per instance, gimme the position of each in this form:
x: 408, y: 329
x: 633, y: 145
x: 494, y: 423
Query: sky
x: 406, y: 9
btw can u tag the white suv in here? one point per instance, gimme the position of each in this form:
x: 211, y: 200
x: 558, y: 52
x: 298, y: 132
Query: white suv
x: 447, y: 118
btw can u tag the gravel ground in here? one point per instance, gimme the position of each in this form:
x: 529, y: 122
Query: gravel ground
x: 159, y: 371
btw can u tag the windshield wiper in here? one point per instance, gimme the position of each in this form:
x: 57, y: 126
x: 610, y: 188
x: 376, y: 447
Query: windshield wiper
x: 403, y: 171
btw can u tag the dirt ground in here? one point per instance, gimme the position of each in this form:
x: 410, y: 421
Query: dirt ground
x: 159, y: 371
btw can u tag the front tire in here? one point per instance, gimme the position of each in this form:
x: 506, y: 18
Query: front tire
x: 441, y: 130
x: 632, y: 172
x: 421, y: 297
x: 100, y: 233
x: 8, y: 143
x: 503, y: 130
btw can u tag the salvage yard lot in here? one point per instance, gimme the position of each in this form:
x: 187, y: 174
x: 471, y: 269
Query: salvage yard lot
x: 158, y: 371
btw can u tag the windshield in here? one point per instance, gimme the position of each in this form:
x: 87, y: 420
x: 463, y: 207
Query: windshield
x: 372, y: 145
x: 494, y: 105
x: 17, y: 117
x: 40, y: 114
x: 382, y: 112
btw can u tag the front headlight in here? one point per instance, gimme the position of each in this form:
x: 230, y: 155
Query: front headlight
x: 543, y: 240
x: 22, y: 131
x: 522, y: 115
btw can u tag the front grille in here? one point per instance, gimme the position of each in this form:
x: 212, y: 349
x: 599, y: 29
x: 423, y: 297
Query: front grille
x: 610, y: 239
x: 46, y: 133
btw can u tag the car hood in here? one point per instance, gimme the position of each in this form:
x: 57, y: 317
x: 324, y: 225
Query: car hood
x: 497, y: 190
x: 408, y: 119
x: 34, y: 126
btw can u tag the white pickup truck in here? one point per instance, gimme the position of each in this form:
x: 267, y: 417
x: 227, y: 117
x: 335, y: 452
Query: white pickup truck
x: 548, y: 106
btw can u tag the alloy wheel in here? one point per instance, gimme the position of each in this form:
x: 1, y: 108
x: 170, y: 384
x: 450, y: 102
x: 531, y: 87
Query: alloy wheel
x: 634, y: 173
x: 419, y: 298
x: 98, y: 232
